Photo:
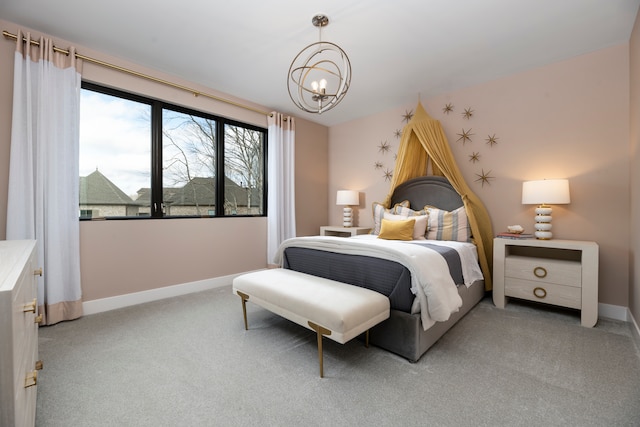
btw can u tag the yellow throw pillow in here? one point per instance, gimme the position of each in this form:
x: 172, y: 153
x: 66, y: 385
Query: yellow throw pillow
x: 419, y: 228
x: 397, y: 230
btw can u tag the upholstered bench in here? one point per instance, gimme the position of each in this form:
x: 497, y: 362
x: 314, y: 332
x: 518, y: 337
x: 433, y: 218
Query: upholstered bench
x: 333, y: 309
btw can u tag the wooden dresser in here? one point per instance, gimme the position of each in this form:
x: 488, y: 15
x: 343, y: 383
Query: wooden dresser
x: 19, y: 321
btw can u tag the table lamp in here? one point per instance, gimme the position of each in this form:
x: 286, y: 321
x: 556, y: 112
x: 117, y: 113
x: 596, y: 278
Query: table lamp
x: 347, y: 198
x: 544, y: 192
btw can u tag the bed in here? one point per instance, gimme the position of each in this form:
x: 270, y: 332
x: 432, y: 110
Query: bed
x: 403, y: 333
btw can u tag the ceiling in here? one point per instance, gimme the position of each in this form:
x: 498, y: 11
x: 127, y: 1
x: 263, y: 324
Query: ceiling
x: 399, y: 50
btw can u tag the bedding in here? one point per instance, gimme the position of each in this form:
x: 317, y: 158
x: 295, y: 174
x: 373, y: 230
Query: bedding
x: 432, y: 282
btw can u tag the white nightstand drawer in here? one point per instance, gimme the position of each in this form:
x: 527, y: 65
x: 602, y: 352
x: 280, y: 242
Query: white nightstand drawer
x: 544, y: 270
x: 548, y: 293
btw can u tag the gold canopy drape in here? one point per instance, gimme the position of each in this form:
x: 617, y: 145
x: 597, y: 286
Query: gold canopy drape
x: 424, y: 147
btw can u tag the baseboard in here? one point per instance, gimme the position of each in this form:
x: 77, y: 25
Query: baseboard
x: 126, y: 300
x: 614, y: 312
x: 634, y: 322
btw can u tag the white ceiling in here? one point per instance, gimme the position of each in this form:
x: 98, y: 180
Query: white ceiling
x: 399, y: 49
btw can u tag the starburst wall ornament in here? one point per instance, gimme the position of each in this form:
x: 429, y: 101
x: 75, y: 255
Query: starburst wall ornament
x: 384, y: 147
x: 465, y: 136
x: 484, y: 177
x: 447, y: 108
x: 492, y: 140
x: 468, y: 113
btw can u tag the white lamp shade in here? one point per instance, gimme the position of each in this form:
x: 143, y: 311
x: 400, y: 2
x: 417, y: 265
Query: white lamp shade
x: 348, y: 198
x: 546, y: 191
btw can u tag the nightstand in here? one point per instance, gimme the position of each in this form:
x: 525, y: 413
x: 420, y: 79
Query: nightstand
x: 330, y: 230
x: 557, y: 272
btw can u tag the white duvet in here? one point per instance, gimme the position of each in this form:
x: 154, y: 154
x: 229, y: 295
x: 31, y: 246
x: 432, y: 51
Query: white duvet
x: 431, y: 282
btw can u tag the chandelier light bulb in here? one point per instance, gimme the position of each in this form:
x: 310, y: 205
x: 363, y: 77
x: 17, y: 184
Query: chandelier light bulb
x: 323, y: 84
x: 314, y: 86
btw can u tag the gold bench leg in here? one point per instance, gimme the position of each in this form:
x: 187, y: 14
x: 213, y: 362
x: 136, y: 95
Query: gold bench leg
x: 366, y: 339
x: 320, y: 332
x: 244, y: 298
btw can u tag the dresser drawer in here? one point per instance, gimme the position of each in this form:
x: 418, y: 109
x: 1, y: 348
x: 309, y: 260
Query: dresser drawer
x: 544, y: 270
x: 548, y: 293
x: 18, y: 333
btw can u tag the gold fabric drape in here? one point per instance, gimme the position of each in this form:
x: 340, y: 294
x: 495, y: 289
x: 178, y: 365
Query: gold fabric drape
x: 424, y: 148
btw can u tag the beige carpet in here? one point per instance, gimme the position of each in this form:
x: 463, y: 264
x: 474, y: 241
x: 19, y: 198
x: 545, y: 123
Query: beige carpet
x: 188, y: 361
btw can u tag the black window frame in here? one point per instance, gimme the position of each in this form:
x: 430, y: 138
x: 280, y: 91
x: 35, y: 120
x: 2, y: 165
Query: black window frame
x: 157, y: 106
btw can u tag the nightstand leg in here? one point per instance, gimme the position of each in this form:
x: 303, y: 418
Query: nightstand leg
x: 498, y: 275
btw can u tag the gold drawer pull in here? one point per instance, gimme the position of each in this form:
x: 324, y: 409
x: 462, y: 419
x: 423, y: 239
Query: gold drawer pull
x: 38, y: 319
x: 39, y: 365
x: 31, y: 307
x: 540, y: 272
x: 31, y: 380
x: 540, y: 292
x: 38, y: 272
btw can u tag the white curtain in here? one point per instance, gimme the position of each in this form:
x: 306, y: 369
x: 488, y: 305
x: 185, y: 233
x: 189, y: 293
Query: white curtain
x: 281, y: 209
x: 44, y: 172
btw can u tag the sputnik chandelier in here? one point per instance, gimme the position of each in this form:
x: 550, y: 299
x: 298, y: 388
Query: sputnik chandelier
x: 320, y: 75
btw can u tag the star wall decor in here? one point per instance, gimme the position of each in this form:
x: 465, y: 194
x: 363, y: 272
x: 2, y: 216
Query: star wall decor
x: 384, y: 147
x: 465, y: 136
x: 378, y: 165
x: 398, y: 133
x: 484, y: 177
x: 492, y: 140
x: 388, y: 175
x: 408, y: 115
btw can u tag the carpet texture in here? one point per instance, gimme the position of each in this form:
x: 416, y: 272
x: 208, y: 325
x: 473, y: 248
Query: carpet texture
x: 187, y: 361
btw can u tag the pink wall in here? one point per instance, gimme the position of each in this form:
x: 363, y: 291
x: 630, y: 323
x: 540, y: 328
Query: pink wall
x: 120, y: 257
x: 634, y: 53
x: 311, y: 178
x: 565, y: 120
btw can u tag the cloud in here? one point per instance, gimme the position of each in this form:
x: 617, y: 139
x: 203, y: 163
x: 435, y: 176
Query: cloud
x: 115, y: 138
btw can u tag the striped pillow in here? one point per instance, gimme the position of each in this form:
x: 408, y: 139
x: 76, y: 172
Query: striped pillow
x: 445, y: 225
x: 379, y: 210
x: 404, y: 209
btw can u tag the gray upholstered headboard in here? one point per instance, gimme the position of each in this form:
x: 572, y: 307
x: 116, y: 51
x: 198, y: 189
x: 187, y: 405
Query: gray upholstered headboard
x: 427, y: 190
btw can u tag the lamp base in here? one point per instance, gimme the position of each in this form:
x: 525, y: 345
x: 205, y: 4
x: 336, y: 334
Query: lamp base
x: 347, y: 217
x: 543, y: 222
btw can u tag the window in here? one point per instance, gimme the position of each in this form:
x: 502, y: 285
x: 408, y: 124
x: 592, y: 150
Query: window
x: 141, y: 157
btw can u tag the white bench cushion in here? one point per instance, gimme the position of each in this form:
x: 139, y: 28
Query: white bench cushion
x: 346, y: 310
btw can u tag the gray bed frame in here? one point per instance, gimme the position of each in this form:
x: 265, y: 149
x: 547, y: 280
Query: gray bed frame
x: 402, y: 333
